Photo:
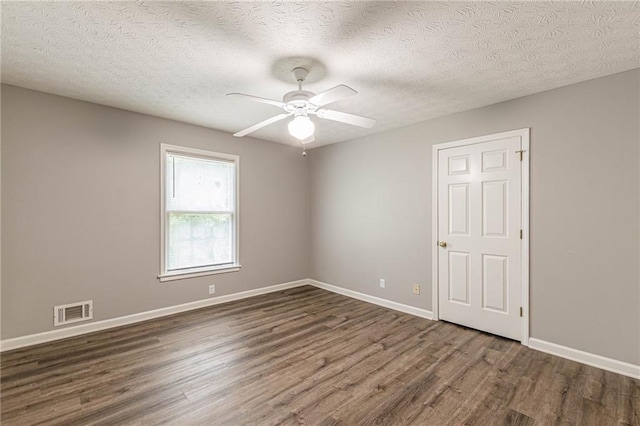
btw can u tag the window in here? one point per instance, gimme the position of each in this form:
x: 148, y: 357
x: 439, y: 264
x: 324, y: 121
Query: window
x: 199, y: 225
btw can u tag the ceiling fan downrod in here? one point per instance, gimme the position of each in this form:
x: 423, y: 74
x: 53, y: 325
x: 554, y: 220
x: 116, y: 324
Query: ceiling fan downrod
x: 300, y: 74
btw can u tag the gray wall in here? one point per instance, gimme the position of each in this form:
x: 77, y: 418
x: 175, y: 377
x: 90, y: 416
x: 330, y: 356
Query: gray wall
x: 371, y: 210
x: 80, y: 210
x: 80, y: 219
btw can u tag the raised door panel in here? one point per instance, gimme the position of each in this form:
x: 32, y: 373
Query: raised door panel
x: 495, y: 286
x: 494, y: 209
x: 459, y: 277
x: 494, y: 161
x: 459, y: 165
x: 459, y: 209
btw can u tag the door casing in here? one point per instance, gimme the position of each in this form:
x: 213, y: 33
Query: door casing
x: 524, y: 137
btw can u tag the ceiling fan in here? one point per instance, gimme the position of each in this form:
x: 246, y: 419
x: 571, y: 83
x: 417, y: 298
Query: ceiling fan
x: 301, y: 104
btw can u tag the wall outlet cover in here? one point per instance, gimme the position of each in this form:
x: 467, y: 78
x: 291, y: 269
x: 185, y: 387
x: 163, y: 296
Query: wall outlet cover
x: 212, y: 289
x: 416, y: 289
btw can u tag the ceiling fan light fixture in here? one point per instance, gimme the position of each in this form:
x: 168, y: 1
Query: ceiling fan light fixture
x: 301, y: 127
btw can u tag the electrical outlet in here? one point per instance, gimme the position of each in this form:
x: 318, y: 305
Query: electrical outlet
x: 382, y: 283
x: 416, y: 289
x: 212, y: 289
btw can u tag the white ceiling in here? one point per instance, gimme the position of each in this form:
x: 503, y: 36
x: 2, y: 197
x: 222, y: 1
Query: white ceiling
x: 409, y: 61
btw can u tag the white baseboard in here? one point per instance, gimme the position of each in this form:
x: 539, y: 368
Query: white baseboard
x: 593, y: 360
x: 423, y: 313
x: 587, y: 358
x: 63, y: 333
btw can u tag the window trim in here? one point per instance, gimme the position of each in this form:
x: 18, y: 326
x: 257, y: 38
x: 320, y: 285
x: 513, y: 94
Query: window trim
x: 233, y: 266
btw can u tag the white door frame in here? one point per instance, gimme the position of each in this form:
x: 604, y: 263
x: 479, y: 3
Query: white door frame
x: 524, y: 137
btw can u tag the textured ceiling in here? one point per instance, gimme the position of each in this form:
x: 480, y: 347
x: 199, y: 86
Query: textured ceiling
x: 409, y: 61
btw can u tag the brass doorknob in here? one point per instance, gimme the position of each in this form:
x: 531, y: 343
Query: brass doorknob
x: 442, y: 244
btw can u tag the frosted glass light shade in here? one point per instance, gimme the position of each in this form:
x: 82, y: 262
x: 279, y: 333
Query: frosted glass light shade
x: 301, y: 127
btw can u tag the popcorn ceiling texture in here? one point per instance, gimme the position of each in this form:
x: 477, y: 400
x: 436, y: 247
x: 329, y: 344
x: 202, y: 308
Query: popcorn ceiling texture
x: 409, y: 61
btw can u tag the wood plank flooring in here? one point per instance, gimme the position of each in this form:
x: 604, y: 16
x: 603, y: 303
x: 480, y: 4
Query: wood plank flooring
x: 304, y: 356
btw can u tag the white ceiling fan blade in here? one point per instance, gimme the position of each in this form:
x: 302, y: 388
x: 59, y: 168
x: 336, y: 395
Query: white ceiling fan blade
x: 334, y: 94
x: 343, y: 117
x: 257, y: 99
x: 260, y: 125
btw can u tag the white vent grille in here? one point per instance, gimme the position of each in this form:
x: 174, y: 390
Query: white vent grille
x: 74, y: 312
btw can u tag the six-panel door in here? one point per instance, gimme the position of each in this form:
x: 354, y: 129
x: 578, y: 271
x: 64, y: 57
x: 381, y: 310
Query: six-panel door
x: 479, y: 220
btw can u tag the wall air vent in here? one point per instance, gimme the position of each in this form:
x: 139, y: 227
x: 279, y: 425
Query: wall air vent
x: 74, y: 312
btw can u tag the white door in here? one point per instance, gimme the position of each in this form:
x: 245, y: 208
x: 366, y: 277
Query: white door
x: 479, y: 236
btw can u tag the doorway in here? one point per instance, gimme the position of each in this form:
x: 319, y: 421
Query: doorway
x: 480, y: 233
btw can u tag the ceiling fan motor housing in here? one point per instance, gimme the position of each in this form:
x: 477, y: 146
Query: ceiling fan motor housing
x: 297, y: 95
x: 297, y: 102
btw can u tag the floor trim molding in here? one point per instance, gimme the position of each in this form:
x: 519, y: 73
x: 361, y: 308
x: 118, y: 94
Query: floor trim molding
x: 72, y: 331
x: 593, y: 360
x: 587, y: 358
x: 412, y: 310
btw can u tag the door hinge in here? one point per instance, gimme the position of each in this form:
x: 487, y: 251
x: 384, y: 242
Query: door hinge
x: 521, y: 152
x: 520, y: 310
x: 521, y: 234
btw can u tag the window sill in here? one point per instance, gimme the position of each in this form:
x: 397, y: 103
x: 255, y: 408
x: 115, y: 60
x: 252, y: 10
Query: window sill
x: 201, y: 273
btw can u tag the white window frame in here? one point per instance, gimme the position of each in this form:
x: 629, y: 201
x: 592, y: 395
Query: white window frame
x: 235, y: 266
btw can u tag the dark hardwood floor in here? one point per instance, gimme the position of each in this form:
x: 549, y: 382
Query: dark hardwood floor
x: 304, y: 356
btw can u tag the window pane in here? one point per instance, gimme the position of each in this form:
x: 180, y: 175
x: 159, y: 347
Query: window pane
x: 197, y: 184
x: 199, y: 240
